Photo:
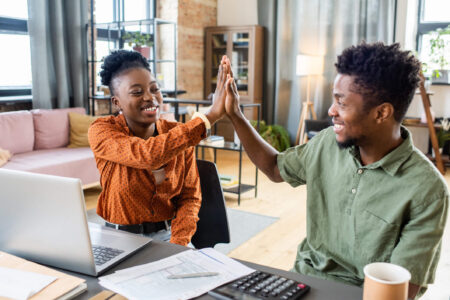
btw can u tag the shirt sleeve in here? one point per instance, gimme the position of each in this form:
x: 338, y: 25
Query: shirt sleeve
x: 188, y: 204
x: 110, y: 143
x: 419, y: 247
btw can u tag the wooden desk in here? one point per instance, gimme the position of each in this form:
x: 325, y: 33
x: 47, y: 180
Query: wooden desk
x: 320, y: 289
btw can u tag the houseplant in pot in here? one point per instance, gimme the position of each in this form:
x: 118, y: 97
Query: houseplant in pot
x: 276, y: 135
x: 141, y: 42
x: 443, y: 134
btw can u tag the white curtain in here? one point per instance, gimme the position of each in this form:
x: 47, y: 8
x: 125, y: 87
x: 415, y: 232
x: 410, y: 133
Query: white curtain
x: 57, y: 30
x: 325, y: 28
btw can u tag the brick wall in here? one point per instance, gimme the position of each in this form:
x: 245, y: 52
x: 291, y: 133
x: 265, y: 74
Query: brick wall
x: 192, y: 17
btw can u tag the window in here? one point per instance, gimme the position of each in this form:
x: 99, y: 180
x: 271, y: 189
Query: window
x: 433, y: 14
x: 107, y: 11
x: 15, y: 59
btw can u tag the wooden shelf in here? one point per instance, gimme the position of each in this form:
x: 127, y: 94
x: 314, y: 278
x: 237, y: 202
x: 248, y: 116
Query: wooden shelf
x: 436, y: 126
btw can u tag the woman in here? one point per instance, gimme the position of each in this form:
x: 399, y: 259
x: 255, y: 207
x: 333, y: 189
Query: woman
x: 148, y: 170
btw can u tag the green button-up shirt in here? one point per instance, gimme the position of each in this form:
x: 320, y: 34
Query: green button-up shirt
x: 393, y: 210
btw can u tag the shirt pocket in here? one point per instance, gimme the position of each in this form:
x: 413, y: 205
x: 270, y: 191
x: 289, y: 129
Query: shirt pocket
x: 375, y: 237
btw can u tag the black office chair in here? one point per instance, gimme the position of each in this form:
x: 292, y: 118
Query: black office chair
x: 313, y: 127
x: 212, y: 228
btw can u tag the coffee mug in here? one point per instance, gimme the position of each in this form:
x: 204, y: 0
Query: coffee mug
x: 385, y: 281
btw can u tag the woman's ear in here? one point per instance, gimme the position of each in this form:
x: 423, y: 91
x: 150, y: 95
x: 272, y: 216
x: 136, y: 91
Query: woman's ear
x: 385, y: 111
x: 116, y: 102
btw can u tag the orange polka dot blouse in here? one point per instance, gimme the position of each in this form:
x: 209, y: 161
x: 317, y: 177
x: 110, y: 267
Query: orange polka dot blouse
x: 129, y: 193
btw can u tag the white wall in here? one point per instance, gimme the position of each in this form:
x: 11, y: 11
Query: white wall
x: 237, y: 12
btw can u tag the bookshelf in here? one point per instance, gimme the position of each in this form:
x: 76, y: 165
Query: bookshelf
x: 161, y: 52
x: 244, y: 46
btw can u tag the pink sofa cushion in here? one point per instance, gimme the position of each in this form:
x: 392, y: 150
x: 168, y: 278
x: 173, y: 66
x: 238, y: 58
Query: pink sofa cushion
x: 51, y: 127
x: 16, y: 131
x: 67, y: 162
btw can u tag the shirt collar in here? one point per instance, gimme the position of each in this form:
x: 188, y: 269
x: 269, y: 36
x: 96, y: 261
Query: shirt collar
x: 160, y: 126
x: 392, y: 161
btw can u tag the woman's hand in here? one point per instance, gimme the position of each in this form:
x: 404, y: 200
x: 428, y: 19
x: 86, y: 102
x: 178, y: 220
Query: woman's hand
x: 217, y: 110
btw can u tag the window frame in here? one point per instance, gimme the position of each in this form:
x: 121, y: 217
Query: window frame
x: 20, y: 27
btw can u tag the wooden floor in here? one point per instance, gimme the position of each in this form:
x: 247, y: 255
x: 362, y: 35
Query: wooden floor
x: 276, y: 245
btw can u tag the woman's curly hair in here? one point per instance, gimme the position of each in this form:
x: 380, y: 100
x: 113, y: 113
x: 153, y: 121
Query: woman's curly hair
x: 382, y: 73
x: 119, y: 61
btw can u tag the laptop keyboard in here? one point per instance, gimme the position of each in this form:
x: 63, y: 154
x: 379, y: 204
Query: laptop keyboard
x: 104, y: 254
x: 261, y: 285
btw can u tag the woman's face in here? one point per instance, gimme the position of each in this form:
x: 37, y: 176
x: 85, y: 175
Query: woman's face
x: 138, y: 96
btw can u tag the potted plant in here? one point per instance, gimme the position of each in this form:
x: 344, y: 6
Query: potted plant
x: 275, y: 135
x: 438, y: 62
x: 141, y: 42
x: 443, y: 135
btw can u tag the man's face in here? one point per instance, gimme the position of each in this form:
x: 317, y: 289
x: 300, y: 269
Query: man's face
x: 352, y: 123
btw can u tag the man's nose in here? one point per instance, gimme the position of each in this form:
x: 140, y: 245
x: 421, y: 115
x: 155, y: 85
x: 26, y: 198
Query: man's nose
x: 332, y: 111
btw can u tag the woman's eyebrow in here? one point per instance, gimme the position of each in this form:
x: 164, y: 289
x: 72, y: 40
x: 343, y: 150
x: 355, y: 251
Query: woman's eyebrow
x: 135, y: 85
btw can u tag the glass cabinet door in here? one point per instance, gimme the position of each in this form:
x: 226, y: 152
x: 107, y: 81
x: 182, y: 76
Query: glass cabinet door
x: 240, y: 60
x: 219, y: 49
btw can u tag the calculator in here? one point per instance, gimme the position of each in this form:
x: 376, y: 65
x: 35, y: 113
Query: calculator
x: 261, y: 285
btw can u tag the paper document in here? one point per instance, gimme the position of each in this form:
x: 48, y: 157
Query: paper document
x: 17, y: 284
x: 149, y: 281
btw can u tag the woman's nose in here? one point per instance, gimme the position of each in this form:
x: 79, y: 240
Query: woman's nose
x: 148, y: 96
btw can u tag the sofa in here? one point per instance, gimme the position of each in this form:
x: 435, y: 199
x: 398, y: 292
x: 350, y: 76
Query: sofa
x: 38, y: 140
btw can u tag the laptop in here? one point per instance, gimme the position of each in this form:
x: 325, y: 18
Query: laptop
x: 43, y: 219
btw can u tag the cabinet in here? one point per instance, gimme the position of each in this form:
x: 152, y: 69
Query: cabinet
x: 159, y: 49
x: 244, y: 46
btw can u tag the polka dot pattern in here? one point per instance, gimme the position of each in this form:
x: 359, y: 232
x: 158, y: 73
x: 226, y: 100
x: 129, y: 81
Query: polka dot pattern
x: 129, y: 194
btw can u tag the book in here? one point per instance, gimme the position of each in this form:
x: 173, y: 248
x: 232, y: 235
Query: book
x: 228, y: 181
x: 63, y: 288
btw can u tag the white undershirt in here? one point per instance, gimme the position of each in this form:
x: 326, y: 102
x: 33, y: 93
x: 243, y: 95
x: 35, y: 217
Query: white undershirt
x: 160, y: 175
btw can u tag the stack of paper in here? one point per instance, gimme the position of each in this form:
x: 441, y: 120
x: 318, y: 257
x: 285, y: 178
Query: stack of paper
x: 22, y: 279
x: 150, y: 281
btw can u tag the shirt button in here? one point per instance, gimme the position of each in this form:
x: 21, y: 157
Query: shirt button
x: 353, y: 191
x: 360, y: 171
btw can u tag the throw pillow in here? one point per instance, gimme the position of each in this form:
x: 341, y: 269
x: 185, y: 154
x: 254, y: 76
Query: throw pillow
x: 5, y: 155
x: 79, y: 126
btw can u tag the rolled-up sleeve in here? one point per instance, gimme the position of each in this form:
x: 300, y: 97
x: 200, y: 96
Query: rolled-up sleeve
x: 419, y: 246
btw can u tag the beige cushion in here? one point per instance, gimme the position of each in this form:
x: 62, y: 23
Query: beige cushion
x: 5, y: 155
x: 79, y: 125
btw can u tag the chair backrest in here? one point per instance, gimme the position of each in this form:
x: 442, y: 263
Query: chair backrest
x: 212, y: 228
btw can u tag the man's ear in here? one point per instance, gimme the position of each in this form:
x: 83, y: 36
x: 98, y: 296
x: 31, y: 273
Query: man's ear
x: 384, y: 112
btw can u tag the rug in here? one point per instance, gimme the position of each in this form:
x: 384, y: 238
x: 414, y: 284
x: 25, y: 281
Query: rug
x: 240, y: 231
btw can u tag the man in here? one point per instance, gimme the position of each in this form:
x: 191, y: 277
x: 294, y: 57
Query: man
x: 372, y: 196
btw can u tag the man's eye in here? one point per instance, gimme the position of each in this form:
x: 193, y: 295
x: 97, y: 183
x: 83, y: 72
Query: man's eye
x: 136, y: 92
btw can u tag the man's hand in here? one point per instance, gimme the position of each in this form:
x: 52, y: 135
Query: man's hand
x: 232, y: 98
x: 217, y: 110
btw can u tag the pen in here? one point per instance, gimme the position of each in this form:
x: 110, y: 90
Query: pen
x: 192, y: 275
